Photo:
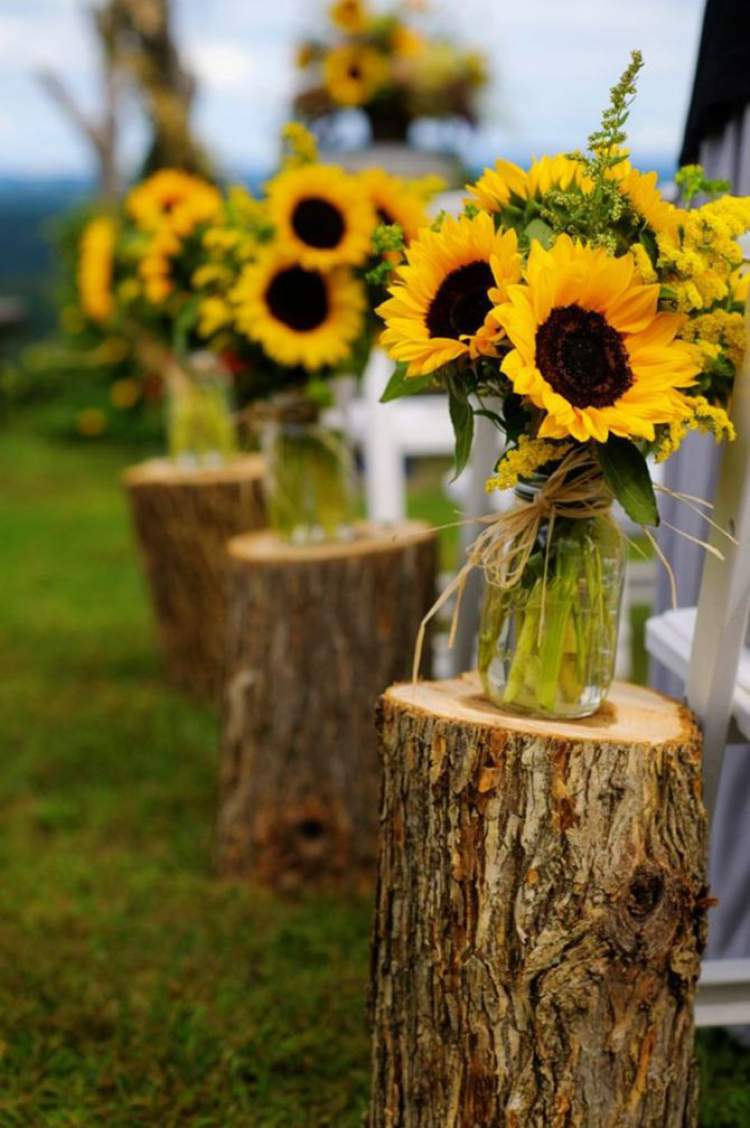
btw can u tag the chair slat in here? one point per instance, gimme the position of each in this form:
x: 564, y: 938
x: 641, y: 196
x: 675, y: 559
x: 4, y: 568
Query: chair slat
x: 724, y: 595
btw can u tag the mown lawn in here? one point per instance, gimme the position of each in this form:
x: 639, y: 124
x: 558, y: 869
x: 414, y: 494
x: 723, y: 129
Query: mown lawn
x: 136, y: 989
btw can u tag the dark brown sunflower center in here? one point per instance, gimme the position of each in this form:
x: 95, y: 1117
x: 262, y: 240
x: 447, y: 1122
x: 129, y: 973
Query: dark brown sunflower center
x: 355, y: 72
x: 582, y: 357
x: 461, y: 302
x: 385, y: 216
x: 298, y: 298
x: 318, y: 223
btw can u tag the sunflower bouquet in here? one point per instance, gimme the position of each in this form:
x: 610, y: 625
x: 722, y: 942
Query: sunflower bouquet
x: 284, y: 297
x: 381, y: 64
x: 163, y: 224
x: 135, y: 267
x: 595, y: 324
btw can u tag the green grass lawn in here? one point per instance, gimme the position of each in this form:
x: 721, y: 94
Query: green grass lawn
x: 135, y: 988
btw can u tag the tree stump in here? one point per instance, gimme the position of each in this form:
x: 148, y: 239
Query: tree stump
x: 315, y: 635
x: 183, y: 519
x: 540, y: 913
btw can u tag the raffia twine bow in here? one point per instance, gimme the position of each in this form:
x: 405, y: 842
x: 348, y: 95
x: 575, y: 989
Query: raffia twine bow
x: 575, y: 489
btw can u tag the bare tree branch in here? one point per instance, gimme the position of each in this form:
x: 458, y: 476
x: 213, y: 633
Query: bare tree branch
x: 58, y: 91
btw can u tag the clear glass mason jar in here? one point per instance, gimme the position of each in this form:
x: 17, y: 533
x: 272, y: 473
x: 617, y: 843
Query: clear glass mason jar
x: 547, y: 645
x: 309, y: 475
x: 200, y: 427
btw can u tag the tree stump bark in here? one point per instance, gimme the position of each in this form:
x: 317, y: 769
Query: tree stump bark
x: 183, y: 519
x: 315, y: 635
x: 540, y: 913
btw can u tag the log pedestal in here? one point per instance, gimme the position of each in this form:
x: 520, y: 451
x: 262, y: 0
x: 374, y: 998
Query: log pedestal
x: 183, y: 519
x: 540, y: 913
x: 315, y: 635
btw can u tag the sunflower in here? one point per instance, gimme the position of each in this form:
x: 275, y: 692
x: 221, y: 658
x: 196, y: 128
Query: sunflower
x: 590, y: 347
x: 440, y: 304
x: 642, y: 193
x: 300, y: 316
x: 394, y: 202
x: 496, y: 185
x: 354, y: 73
x: 322, y: 215
x: 349, y: 15
x: 95, y: 268
x: 174, y: 199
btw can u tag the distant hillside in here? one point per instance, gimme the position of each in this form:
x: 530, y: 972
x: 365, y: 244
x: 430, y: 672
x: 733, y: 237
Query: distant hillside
x: 28, y: 209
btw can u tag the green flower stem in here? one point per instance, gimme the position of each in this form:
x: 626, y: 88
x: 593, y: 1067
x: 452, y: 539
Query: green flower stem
x: 528, y: 629
x: 546, y: 645
x: 558, y: 606
x: 200, y: 423
x: 309, y: 487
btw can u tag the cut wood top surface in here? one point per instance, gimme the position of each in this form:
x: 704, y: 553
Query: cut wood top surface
x: 164, y: 471
x: 369, y: 539
x: 630, y: 715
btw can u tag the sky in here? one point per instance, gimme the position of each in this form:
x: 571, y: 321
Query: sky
x: 552, y: 61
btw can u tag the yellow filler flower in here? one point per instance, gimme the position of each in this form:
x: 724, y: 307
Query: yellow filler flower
x: 322, y: 215
x: 590, y: 347
x: 299, y: 316
x: 441, y: 301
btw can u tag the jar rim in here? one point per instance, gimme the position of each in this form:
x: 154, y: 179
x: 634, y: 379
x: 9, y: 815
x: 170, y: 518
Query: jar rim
x: 527, y: 487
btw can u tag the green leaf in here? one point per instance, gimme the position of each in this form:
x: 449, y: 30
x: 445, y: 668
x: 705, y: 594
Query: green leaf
x: 402, y: 385
x: 515, y: 418
x: 185, y: 322
x: 540, y: 231
x: 493, y: 417
x: 626, y: 473
x: 462, y: 418
x: 649, y: 242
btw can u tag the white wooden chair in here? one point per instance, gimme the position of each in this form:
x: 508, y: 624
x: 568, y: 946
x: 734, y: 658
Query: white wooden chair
x: 705, y: 647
